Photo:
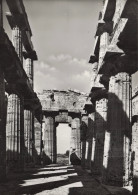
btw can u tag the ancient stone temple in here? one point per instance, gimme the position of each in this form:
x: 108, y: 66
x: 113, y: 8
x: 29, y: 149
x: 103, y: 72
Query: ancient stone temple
x: 114, y: 61
x: 19, y: 104
x: 104, y: 122
x: 63, y: 107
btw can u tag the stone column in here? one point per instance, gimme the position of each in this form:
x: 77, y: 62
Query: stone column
x: 22, y: 144
x: 100, y: 127
x: 49, y: 140
x: 89, y: 138
x: 15, y: 127
x: 29, y: 69
x: 3, y: 111
x: 75, y: 136
x: 29, y: 116
x: 93, y: 143
x: 135, y: 154
x: 28, y: 134
x: 118, y: 136
x: 84, y: 129
x: 38, y: 129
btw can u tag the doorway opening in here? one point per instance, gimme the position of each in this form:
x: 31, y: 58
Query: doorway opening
x: 63, y: 143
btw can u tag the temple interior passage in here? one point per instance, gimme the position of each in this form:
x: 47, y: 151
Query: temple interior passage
x: 63, y: 141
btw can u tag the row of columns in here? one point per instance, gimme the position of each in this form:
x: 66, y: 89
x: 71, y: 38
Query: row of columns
x: 17, y: 124
x: 110, y: 132
x: 15, y: 115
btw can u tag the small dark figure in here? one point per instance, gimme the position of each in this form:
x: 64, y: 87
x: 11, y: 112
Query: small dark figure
x: 74, y: 158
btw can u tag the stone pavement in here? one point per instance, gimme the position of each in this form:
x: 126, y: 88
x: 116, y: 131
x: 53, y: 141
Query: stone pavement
x: 57, y: 180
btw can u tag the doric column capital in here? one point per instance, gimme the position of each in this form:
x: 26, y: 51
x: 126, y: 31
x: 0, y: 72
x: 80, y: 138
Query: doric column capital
x: 98, y: 93
x: 32, y: 55
x: 104, y: 27
x: 119, y: 63
x: 134, y: 119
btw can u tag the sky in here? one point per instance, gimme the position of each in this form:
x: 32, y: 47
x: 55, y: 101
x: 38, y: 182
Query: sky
x: 63, y: 37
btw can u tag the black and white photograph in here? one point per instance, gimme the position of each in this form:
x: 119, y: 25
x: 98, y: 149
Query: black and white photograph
x: 68, y: 97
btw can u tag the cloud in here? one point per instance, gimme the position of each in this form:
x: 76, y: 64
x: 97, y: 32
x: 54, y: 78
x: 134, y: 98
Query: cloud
x: 62, y: 72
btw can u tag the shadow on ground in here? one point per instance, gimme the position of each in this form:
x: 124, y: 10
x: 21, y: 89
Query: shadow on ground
x: 55, y: 180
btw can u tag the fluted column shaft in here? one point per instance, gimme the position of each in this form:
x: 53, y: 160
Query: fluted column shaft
x: 84, y: 129
x: 49, y: 140
x: 135, y: 154
x: 15, y: 123
x: 75, y: 136
x: 118, y: 136
x: 29, y: 116
x: 89, y: 138
x: 28, y: 133
x: 29, y: 70
x: 100, y: 127
x: 3, y: 111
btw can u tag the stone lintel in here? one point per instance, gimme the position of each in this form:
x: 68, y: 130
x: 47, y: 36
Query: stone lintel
x: 17, y: 9
x: 104, y: 27
x: 50, y: 113
x: 62, y: 117
x: 74, y: 115
x: 32, y: 55
x: 98, y: 93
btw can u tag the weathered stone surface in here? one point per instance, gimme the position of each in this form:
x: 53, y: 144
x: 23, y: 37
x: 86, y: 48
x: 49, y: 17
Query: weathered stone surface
x: 29, y: 70
x: 121, y: 40
x: 55, y: 100
x: 75, y: 136
x: 100, y: 127
x: 134, y: 140
x: 118, y: 135
x: 83, y: 130
x: 49, y: 155
x: 3, y: 111
x: 15, y: 134
x: 28, y: 134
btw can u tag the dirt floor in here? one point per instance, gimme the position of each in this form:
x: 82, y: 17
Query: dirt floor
x: 57, y: 180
